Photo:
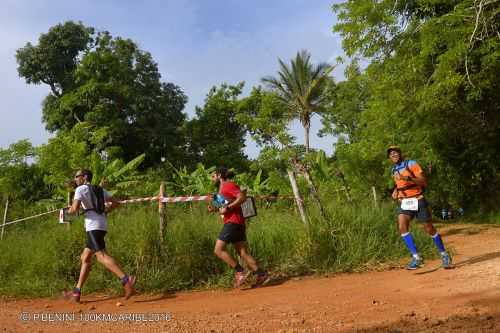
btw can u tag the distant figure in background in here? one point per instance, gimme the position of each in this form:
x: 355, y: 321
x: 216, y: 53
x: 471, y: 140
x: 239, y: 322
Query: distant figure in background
x: 234, y: 230
x: 92, y: 199
x: 410, y: 183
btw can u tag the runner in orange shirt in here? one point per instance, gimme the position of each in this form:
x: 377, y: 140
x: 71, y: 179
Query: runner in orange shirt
x: 409, y: 191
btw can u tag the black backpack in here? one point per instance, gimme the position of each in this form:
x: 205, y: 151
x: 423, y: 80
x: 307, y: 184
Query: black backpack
x: 97, y: 198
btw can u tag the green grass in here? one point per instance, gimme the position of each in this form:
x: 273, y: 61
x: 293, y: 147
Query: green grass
x: 39, y: 258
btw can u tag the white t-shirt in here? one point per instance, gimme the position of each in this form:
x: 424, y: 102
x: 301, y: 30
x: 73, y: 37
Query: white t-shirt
x: 93, y: 221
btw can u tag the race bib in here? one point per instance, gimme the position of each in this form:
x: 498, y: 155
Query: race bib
x: 409, y: 204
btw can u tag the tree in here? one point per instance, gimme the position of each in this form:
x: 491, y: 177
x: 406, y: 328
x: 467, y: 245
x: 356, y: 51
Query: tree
x: 214, y: 136
x: 347, y: 99
x: 301, y: 87
x: 19, y: 177
x: 110, y: 86
x: 264, y: 115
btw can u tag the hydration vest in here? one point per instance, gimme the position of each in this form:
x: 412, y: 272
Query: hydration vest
x: 97, y: 199
x: 413, y: 185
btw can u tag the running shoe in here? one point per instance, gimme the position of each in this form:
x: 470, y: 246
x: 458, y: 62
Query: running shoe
x: 446, y: 260
x: 261, y: 280
x: 73, y: 296
x: 239, y: 278
x: 129, y: 287
x: 415, y: 263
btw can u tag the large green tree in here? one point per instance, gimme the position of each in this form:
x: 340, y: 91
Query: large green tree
x: 109, y: 85
x: 301, y: 86
x: 214, y: 136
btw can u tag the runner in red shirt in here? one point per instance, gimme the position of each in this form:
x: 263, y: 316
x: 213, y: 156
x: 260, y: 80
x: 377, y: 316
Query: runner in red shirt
x: 234, y: 230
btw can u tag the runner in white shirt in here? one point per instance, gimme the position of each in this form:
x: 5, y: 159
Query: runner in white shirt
x: 91, y: 199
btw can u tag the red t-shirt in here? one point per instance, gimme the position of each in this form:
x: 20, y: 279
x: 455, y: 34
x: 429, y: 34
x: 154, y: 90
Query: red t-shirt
x: 230, y: 191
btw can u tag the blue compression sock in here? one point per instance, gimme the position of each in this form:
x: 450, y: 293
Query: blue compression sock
x: 439, y: 242
x: 410, y: 244
x: 124, y: 279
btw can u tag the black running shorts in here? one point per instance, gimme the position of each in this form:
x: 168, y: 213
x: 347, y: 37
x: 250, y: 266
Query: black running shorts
x: 233, y: 233
x: 95, y: 240
x: 423, y: 213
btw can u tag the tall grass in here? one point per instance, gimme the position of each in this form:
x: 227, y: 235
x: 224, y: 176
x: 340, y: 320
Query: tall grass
x: 40, y: 258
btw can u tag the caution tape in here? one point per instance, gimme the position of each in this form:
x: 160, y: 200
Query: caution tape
x: 138, y: 200
x: 187, y: 198
x: 31, y: 217
x: 191, y: 198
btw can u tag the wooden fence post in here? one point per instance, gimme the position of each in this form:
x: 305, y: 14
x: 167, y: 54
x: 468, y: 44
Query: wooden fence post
x: 374, y: 191
x: 5, y: 217
x: 298, y: 199
x: 69, y: 198
x: 161, y: 211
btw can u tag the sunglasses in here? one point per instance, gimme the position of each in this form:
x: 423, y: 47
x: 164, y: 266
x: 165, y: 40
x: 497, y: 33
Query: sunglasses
x: 80, y: 175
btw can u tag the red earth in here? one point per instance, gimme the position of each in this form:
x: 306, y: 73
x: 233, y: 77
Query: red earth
x: 431, y: 299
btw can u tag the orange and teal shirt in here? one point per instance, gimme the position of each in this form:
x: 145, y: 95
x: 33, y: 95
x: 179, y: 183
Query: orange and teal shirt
x: 407, y: 188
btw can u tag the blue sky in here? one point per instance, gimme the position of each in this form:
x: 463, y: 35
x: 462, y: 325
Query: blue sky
x: 196, y: 43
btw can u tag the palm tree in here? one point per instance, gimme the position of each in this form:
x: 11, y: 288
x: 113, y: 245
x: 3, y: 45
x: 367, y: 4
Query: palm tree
x: 300, y: 86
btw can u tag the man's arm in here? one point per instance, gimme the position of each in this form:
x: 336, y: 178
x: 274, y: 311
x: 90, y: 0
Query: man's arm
x: 75, y: 207
x: 240, y: 198
x: 112, y: 203
x: 419, y: 179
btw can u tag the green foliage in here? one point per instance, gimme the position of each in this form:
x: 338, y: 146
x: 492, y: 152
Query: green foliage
x: 60, y: 157
x: 197, y: 182
x: 264, y: 115
x: 347, y: 102
x: 431, y: 87
x: 108, y: 86
x: 357, y: 238
x: 214, y: 136
x: 20, y: 179
x: 301, y: 88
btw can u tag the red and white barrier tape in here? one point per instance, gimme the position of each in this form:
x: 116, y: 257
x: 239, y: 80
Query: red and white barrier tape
x: 138, y: 200
x: 164, y: 199
x: 187, y: 198
x: 194, y: 198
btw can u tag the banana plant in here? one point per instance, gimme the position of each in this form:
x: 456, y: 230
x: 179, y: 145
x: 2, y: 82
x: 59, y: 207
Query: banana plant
x: 255, y: 186
x: 116, y: 173
x: 189, y: 183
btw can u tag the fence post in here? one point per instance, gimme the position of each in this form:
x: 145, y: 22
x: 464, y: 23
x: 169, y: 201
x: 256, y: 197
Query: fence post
x: 298, y: 199
x: 161, y: 211
x: 374, y: 191
x: 5, y: 217
x: 69, y: 202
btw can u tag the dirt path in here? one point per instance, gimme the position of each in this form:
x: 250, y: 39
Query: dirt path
x: 464, y: 299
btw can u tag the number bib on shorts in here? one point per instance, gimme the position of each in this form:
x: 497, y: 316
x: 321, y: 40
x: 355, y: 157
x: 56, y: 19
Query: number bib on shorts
x: 409, y: 204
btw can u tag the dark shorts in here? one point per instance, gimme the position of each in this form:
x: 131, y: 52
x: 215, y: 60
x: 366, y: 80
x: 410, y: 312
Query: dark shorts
x: 95, y: 240
x: 233, y: 233
x: 423, y: 214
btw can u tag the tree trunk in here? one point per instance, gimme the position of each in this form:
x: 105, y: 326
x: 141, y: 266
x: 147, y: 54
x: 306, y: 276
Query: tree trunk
x: 346, y: 188
x: 298, y: 199
x: 312, y: 187
x: 307, y: 127
x: 5, y: 216
x: 315, y: 194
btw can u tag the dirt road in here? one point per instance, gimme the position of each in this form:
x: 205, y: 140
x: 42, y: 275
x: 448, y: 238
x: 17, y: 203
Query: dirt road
x: 464, y: 299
